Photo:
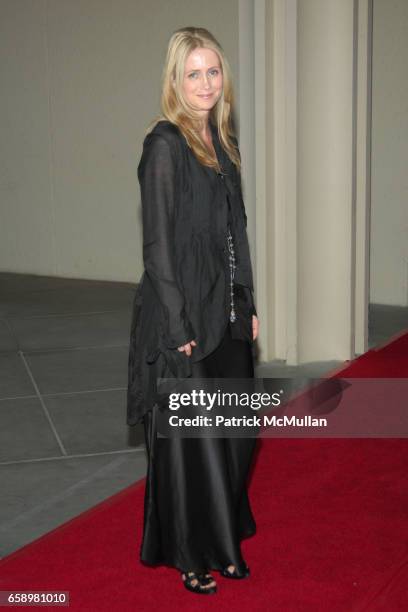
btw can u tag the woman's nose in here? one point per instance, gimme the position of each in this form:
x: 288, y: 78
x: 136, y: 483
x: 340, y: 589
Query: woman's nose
x: 206, y: 81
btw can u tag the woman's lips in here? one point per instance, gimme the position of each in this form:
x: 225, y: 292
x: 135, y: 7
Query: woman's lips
x: 205, y: 96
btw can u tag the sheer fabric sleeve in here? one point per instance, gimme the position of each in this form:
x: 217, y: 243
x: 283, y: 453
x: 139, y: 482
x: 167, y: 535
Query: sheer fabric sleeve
x: 238, y: 181
x: 157, y: 178
x: 247, y: 290
x: 250, y: 298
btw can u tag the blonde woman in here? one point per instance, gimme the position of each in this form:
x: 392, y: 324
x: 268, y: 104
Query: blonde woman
x: 193, y: 315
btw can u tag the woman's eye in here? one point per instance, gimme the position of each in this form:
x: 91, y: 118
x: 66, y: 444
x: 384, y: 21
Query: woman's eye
x: 213, y: 72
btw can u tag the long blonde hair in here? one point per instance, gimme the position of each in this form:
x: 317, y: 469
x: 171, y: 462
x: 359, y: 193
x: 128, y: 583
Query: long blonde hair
x: 174, y: 107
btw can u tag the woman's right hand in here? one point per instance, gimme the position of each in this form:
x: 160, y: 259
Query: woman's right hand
x: 187, y: 347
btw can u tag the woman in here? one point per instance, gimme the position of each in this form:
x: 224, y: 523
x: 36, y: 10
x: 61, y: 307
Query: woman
x: 193, y: 314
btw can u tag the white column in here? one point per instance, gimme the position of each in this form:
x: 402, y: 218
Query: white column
x: 363, y: 101
x: 310, y: 210
x: 325, y: 187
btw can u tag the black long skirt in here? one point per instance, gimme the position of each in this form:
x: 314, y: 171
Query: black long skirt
x: 196, y: 506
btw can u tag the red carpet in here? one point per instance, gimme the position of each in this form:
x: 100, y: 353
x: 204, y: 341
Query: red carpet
x: 332, y: 519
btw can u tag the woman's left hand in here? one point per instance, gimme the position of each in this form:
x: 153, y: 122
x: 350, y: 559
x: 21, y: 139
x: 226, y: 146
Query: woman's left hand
x: 255, y: 327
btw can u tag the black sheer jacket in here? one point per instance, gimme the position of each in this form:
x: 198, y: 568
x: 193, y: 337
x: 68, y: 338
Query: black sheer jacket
x: 184, y: 292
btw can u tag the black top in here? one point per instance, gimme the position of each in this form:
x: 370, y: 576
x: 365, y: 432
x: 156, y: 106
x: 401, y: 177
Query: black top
x: 184, y: 292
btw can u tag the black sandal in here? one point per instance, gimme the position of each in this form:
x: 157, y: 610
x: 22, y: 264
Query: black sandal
x: 205, y: 578
x: 200, y: 587
x: 235, y: 574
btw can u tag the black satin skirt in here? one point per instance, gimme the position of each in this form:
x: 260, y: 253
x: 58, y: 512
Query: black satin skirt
x: 196, y: 506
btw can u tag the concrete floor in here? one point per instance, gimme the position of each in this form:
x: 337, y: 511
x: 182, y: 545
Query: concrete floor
x: 64, y: 442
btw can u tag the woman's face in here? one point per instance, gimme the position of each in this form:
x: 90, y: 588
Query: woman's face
x: 202, y: 83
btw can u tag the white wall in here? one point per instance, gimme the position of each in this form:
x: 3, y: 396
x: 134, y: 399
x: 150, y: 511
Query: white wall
x: 389, y: 183
x: 80, y: 82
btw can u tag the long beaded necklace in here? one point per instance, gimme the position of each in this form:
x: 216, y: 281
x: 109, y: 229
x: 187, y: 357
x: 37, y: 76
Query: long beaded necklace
x: 232, y: 265
x: 233, y: 316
